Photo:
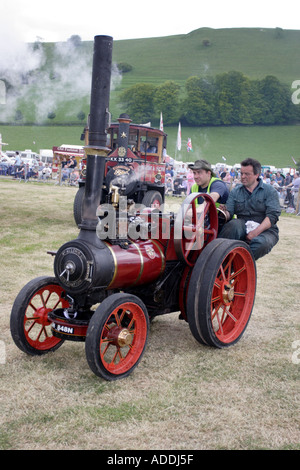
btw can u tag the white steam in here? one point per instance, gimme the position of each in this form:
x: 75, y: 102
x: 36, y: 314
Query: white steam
x: 37, y: 85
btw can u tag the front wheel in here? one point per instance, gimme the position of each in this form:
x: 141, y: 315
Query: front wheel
x: 29, y: 324
x: 78, y: 204
x: 116, y: 337
x: 221, y: 293
x: 153, y: 199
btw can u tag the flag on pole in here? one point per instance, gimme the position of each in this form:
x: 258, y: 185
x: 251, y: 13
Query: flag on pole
x: 189, y: 145
x: 179, y: 137
x: 161, y: 125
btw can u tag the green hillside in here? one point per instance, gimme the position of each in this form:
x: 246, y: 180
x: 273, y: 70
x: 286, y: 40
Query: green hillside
x: 255, y: 52
x: 58, y: 91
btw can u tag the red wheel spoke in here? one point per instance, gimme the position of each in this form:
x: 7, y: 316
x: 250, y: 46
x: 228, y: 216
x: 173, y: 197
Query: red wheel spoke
x: 32, y: 306
x: 57, y: 303
x: 131, y: 324
x: 43, y: 330
x: 42, y: 299
x: 217, y: 283
x: 228, y: 266
x: 215, y: 299
x: 237, y: 273
x: 220, y: 323
x: 231, y: 315
x: 115, y: 357
x: 216, y: 309
x: 47, y: 298
x: 240, y: 294
x: 31, y: 326
x: 223, y: 274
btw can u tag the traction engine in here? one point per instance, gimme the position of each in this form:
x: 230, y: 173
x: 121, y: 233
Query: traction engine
x: 131, y: 263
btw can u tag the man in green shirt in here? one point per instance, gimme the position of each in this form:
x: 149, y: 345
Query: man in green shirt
x: 257, y: 209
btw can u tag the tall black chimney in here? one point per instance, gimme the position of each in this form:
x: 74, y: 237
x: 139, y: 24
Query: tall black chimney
x: 96, y: 151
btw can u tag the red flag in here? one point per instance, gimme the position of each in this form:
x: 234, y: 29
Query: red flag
x: 189, y: 145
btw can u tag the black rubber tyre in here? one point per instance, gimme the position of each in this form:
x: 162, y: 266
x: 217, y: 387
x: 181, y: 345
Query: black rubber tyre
x: 199, y: 272
x: 152, y: 198
x: 29, y: 324
x: 221, y: 293
x: 117, y: 336
x: 77, y: 206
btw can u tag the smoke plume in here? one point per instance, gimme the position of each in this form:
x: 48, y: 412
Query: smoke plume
x: 41, y: 80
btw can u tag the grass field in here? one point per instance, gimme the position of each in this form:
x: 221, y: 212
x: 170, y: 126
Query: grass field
x: 274, y: 145
x: 182, y: 395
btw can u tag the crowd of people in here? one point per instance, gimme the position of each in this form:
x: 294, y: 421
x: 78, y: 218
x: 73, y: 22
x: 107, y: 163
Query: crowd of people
x: 40, y: 171
x: 248, y: 197
x: 287, y: 186
x: 247, y: 200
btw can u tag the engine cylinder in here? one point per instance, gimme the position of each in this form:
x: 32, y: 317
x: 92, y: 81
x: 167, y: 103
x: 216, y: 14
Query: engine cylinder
x: 80, y: 266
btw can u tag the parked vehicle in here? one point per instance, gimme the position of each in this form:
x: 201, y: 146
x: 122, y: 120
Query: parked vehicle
x: 134, y: 164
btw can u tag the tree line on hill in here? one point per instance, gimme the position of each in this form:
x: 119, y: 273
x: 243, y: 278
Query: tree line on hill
x: 229, y: 98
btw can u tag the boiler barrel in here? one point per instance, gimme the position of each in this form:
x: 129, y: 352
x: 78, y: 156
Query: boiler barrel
x: 142, y: 262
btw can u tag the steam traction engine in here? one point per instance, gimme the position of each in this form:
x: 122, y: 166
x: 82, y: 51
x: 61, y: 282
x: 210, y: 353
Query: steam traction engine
x: 130, y: 264
x: 134, y: 164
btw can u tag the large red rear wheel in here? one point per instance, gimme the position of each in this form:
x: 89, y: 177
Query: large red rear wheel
x: 29, y: 324
x: 221, y: 293
x: 117, y: 336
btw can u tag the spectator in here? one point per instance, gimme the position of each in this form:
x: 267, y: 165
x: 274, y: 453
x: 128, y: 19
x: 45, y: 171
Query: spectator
x: 279, y: 178
x: 169, y: 171
x: 190, y: 181
x: 266, y: 178
x: 169, y: 186
x: 276, y: 187
x: 3, y: 168
x: 46, y: 172
x: 256, y: 206
x: 296, y: 187
x: 72, y: 163
x: 177, y: 186
x: 232, y: 174
x: 288, y: 183
x: 206, y: 182
x: 20, y: 172
x: 184, y: 184
x: 17, y: 163
x: 64, y: 162
x: 223, y: 173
